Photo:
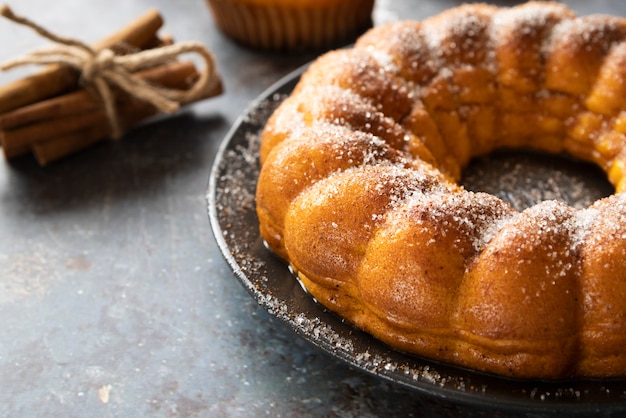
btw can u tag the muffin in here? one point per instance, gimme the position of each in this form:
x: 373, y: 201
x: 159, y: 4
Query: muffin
x: 286, y: 25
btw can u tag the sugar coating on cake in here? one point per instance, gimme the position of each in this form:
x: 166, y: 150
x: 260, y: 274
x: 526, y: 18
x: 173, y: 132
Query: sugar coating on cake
x: 359, y: 190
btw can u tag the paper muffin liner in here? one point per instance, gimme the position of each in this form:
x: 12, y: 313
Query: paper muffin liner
x: 279, y: 27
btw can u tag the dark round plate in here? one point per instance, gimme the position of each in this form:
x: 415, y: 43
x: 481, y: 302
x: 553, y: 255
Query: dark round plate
x: 231, y: 205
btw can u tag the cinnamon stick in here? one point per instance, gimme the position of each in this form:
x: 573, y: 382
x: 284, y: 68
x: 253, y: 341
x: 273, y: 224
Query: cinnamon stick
x: 159, y: 41
x: 56, y: 79
x: 67, y: 104
x: 137, y: 33
x: 61, y: 121
x: 51, y: 150
x: 79, y: 101
x: 19, y: 140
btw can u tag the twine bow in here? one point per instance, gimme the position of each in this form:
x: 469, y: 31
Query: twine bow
x: 103, y: 69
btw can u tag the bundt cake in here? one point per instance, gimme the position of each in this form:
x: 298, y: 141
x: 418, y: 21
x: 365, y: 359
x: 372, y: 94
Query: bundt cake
x: 359, y: 189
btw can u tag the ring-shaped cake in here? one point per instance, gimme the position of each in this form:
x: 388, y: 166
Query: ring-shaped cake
x: 359, y: 191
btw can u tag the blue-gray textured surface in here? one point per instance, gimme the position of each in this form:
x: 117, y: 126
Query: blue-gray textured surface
x: 111, y: 282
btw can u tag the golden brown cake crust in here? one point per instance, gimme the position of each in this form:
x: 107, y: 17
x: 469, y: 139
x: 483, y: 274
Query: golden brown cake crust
x: 358, y: 188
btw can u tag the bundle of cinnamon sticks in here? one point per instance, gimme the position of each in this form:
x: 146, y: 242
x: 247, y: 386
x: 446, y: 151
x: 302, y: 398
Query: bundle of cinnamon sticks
x: 51, y: 115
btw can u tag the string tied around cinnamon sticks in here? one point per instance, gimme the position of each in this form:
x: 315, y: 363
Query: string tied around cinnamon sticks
x: 104, y: 70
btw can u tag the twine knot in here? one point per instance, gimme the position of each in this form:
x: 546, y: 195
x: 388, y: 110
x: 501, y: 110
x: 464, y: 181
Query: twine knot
x: 103, y: 69
x: 95, y: 65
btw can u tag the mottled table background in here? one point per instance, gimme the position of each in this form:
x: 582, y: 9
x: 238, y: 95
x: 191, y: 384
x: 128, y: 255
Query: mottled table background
x: 114, y: 298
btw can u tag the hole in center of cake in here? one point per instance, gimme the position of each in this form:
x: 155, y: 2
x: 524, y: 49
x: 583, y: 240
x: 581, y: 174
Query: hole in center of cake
x: 525, y: 178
